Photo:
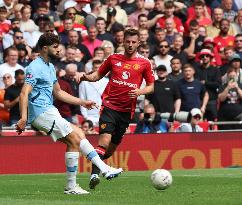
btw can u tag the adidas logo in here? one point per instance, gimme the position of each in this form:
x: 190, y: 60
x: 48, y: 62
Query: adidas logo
x: 118, y: 64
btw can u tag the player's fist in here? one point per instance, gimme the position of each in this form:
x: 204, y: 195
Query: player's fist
x: 20, y: 126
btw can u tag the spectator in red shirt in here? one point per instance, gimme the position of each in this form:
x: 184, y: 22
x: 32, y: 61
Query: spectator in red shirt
x: 224, y: 39
x: 209, y: 44
x: 120, y: 95
x: 169, y: 13
x: 191, y: 11
x: 65, y: 109
x: 4, y: 23
x: 199, y: 15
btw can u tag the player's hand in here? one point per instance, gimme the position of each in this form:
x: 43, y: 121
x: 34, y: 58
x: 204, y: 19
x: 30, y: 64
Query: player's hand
x: 89, y: 104
x: 80, y: 76
x: 20, y: 126
x: 134, y: 93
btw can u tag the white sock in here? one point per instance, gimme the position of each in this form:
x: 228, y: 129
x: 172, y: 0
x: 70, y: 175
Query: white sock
x: 89, y: 151
x: 71, y: 159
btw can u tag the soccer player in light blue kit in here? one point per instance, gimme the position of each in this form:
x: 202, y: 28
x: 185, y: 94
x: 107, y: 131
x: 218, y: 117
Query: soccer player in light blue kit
x: 36, y: 99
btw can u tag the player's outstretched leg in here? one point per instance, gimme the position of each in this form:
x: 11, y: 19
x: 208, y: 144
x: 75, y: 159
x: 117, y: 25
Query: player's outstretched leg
x: 107, y: 171
x: 71, y: 159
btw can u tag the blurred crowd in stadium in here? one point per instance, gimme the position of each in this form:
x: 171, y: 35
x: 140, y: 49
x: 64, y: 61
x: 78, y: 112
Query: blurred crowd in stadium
x: 195, y: 48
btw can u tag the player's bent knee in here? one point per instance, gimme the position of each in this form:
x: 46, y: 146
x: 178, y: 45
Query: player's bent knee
x: 105, y: 140
x: 74, y: 140
x: 78, y: 131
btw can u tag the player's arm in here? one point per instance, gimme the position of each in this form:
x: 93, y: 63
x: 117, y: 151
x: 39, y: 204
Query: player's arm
x: 149, y: 88
x: 61, y: 95
x: 100, y: 73
x: 23, y: 106
x: 148, y: 75
x: 92, y: 77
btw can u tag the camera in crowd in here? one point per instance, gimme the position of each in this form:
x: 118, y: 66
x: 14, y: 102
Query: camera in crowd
x: 150, y: 119
x: 181, y: 116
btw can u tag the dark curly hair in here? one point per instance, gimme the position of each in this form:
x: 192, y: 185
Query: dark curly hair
x: 48, y: 39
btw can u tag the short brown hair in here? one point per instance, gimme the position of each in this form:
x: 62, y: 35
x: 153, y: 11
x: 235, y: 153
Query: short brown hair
x: 187, y: 65
x: 131, y: 32
x: 169, y: 4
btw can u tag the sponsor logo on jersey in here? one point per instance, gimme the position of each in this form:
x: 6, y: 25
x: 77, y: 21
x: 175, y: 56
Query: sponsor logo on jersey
x: 126, y: 75
x: 131, y: 85
x: 127, y: 66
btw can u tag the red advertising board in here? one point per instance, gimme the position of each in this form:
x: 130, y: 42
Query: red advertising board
x: 38, y: 154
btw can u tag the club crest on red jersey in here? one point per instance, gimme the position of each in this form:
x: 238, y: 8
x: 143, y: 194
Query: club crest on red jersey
x: 136, y: 66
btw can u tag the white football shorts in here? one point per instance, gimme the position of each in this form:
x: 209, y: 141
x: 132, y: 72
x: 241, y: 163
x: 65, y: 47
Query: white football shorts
x: 53, y: 124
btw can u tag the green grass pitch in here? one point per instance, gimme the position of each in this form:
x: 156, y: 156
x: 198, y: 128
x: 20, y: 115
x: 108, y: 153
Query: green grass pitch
x: 190, y: 187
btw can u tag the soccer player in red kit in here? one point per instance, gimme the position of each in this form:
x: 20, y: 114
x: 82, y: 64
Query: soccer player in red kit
x: 127, y: 72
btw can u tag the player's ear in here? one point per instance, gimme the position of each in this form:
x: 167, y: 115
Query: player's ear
x: 45, y: 48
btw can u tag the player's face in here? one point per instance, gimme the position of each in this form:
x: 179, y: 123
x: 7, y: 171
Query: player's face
x: 54, y: 51
x: 131, y: 44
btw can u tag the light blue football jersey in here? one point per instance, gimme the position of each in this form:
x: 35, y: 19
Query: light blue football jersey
x: 42, y: 77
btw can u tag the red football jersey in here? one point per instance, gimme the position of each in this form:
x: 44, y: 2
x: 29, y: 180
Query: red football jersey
x: 179, y: 26
x: 126, y: 74
x: 222, y: 42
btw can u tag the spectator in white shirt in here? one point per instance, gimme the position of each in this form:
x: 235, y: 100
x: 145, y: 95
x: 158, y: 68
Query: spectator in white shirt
x: 92, y: 91
x: 10, y: 66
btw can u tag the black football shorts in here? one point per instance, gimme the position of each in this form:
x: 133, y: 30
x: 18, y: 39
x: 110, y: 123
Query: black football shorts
x: 115, y: 123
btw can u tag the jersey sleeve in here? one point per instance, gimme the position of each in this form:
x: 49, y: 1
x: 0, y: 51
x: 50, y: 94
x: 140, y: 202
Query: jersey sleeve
x: 148, y: 73
x: 105, y: 67
x: 31, y: 76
